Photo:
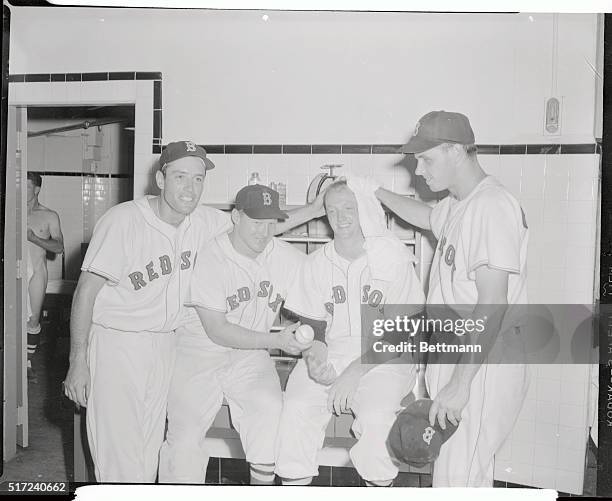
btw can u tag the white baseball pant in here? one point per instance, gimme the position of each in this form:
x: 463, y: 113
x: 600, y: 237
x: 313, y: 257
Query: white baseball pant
x: 496, y: 397
x: 204, y: 374
x: 126, y: 409
x: 305, y: 417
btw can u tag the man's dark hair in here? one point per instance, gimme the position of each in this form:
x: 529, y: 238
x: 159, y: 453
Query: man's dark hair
x: 36, y: 178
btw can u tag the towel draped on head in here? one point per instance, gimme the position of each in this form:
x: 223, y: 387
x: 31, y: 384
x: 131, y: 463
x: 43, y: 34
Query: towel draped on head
x: 384, y: 250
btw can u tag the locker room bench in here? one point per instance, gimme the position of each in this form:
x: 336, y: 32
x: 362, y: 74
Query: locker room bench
x: 224, y: 442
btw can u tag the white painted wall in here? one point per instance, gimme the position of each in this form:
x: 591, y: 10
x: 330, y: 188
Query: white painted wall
x: 230, y: 77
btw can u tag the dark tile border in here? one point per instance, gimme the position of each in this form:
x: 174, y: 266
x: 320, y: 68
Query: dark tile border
x: 382, y: 149
x: 326, y: 149
x: 512, y: 149
x: 267, y: 148
x: 84, y: 174
x: 156, y: 76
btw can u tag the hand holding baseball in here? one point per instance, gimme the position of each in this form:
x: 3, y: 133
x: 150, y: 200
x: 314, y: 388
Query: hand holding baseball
x: 289, y: 342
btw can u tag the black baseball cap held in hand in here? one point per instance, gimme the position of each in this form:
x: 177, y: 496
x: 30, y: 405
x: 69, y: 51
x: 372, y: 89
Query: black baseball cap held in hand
x: 439, y: 127
x: 412, y: 440
x: 181, y: 149
x: 259, y: 202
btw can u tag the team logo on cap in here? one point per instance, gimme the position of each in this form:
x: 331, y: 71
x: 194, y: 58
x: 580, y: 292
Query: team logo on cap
x: 190, y: 146
x: 416, y: 128
x: 267, y: 198
x: 428, y: 435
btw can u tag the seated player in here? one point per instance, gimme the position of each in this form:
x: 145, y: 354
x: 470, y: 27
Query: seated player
x: 334, y: 284
x: 240, y: 282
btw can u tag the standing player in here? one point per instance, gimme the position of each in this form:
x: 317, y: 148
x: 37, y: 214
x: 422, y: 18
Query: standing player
x: 480, y: 261
x: 335, y: 283
x: 127, y: 303
x: 44, y: 235
x: 239, y: 285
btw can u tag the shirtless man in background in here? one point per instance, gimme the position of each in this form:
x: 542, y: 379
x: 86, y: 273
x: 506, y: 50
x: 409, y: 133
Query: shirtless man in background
x: 44, y: 235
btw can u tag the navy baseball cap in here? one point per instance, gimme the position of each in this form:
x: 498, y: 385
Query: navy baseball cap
x: 412, y: 440
x: 181, y: 149
x: 438, y: 127
x: 259, y: 202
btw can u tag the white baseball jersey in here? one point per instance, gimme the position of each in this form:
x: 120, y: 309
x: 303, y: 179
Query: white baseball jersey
x: 249, y: 291
x: 331, y: 288
x: 487, y: 228
x: 147, y: 263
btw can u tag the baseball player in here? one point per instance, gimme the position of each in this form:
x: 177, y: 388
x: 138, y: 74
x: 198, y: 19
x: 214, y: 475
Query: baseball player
x: 335, y: 283
x: 128, y: 301
x: 239, y: 285
x: 480, y: 260
x: 44, y: 235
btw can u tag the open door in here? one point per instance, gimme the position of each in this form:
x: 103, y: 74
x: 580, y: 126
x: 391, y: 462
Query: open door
x: 15, y: 286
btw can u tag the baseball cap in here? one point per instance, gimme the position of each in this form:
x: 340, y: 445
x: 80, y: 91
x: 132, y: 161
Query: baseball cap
x: 181, y: 149
x: 413, y: 440
x: 259, y: 202
x: 438, y: 127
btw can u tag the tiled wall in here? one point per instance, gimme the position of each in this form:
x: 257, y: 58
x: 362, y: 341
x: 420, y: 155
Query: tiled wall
x: 67, y: 162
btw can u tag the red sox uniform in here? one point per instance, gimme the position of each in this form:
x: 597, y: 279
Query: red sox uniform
x: 334, y: 289
x: 148, y: 265
x: 486, y: 228
x: 250, y: 292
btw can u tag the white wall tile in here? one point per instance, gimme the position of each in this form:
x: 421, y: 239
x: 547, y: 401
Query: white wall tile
x: 523, y: 452
x: 572, y: 438
x: 510, y: 173
x: 545, y: 455
x: 583, y: 189
x: 124, y: 91
x: 544, y: 477
x: 572, y: 415
x: 546, y: 434
x: 547, y: 412
x: 581, y: 211
x: 569, y: 481
x: 490, y: 164
x: 548, y: 390
x: 532, y: 177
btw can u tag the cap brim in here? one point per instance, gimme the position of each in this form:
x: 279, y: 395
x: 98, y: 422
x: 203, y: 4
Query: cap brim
x: 208, y: 163
x: 266, y: 213
x: 419, y: 145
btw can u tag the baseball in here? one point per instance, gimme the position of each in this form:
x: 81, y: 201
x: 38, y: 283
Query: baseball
x: 304, y: 334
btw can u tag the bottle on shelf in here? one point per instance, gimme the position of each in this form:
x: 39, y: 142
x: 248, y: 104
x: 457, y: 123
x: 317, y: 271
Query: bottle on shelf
x: 254, y: 179
x: 282, y: 194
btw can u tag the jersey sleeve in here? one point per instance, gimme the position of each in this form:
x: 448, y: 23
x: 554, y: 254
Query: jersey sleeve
x: 211, y: 223
x: 110, y: 244
x: 438, y: 216
x: 494, y: 234
x: 304, y: 295
x: 207, y: 289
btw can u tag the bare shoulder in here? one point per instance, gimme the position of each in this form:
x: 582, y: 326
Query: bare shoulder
x: 47, y: 213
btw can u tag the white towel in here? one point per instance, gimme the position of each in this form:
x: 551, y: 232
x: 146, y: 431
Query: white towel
x: 384, y: 250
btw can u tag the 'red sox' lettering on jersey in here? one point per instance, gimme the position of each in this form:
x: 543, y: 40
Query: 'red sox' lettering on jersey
x: 243, y: 295
x: 371, y: 298
x: 163, y: 266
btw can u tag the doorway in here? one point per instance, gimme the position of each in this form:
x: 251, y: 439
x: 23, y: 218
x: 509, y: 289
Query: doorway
x: 85, y: 158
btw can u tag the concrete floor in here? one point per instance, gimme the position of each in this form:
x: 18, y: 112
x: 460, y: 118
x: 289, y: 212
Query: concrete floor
x: 49, y: 456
